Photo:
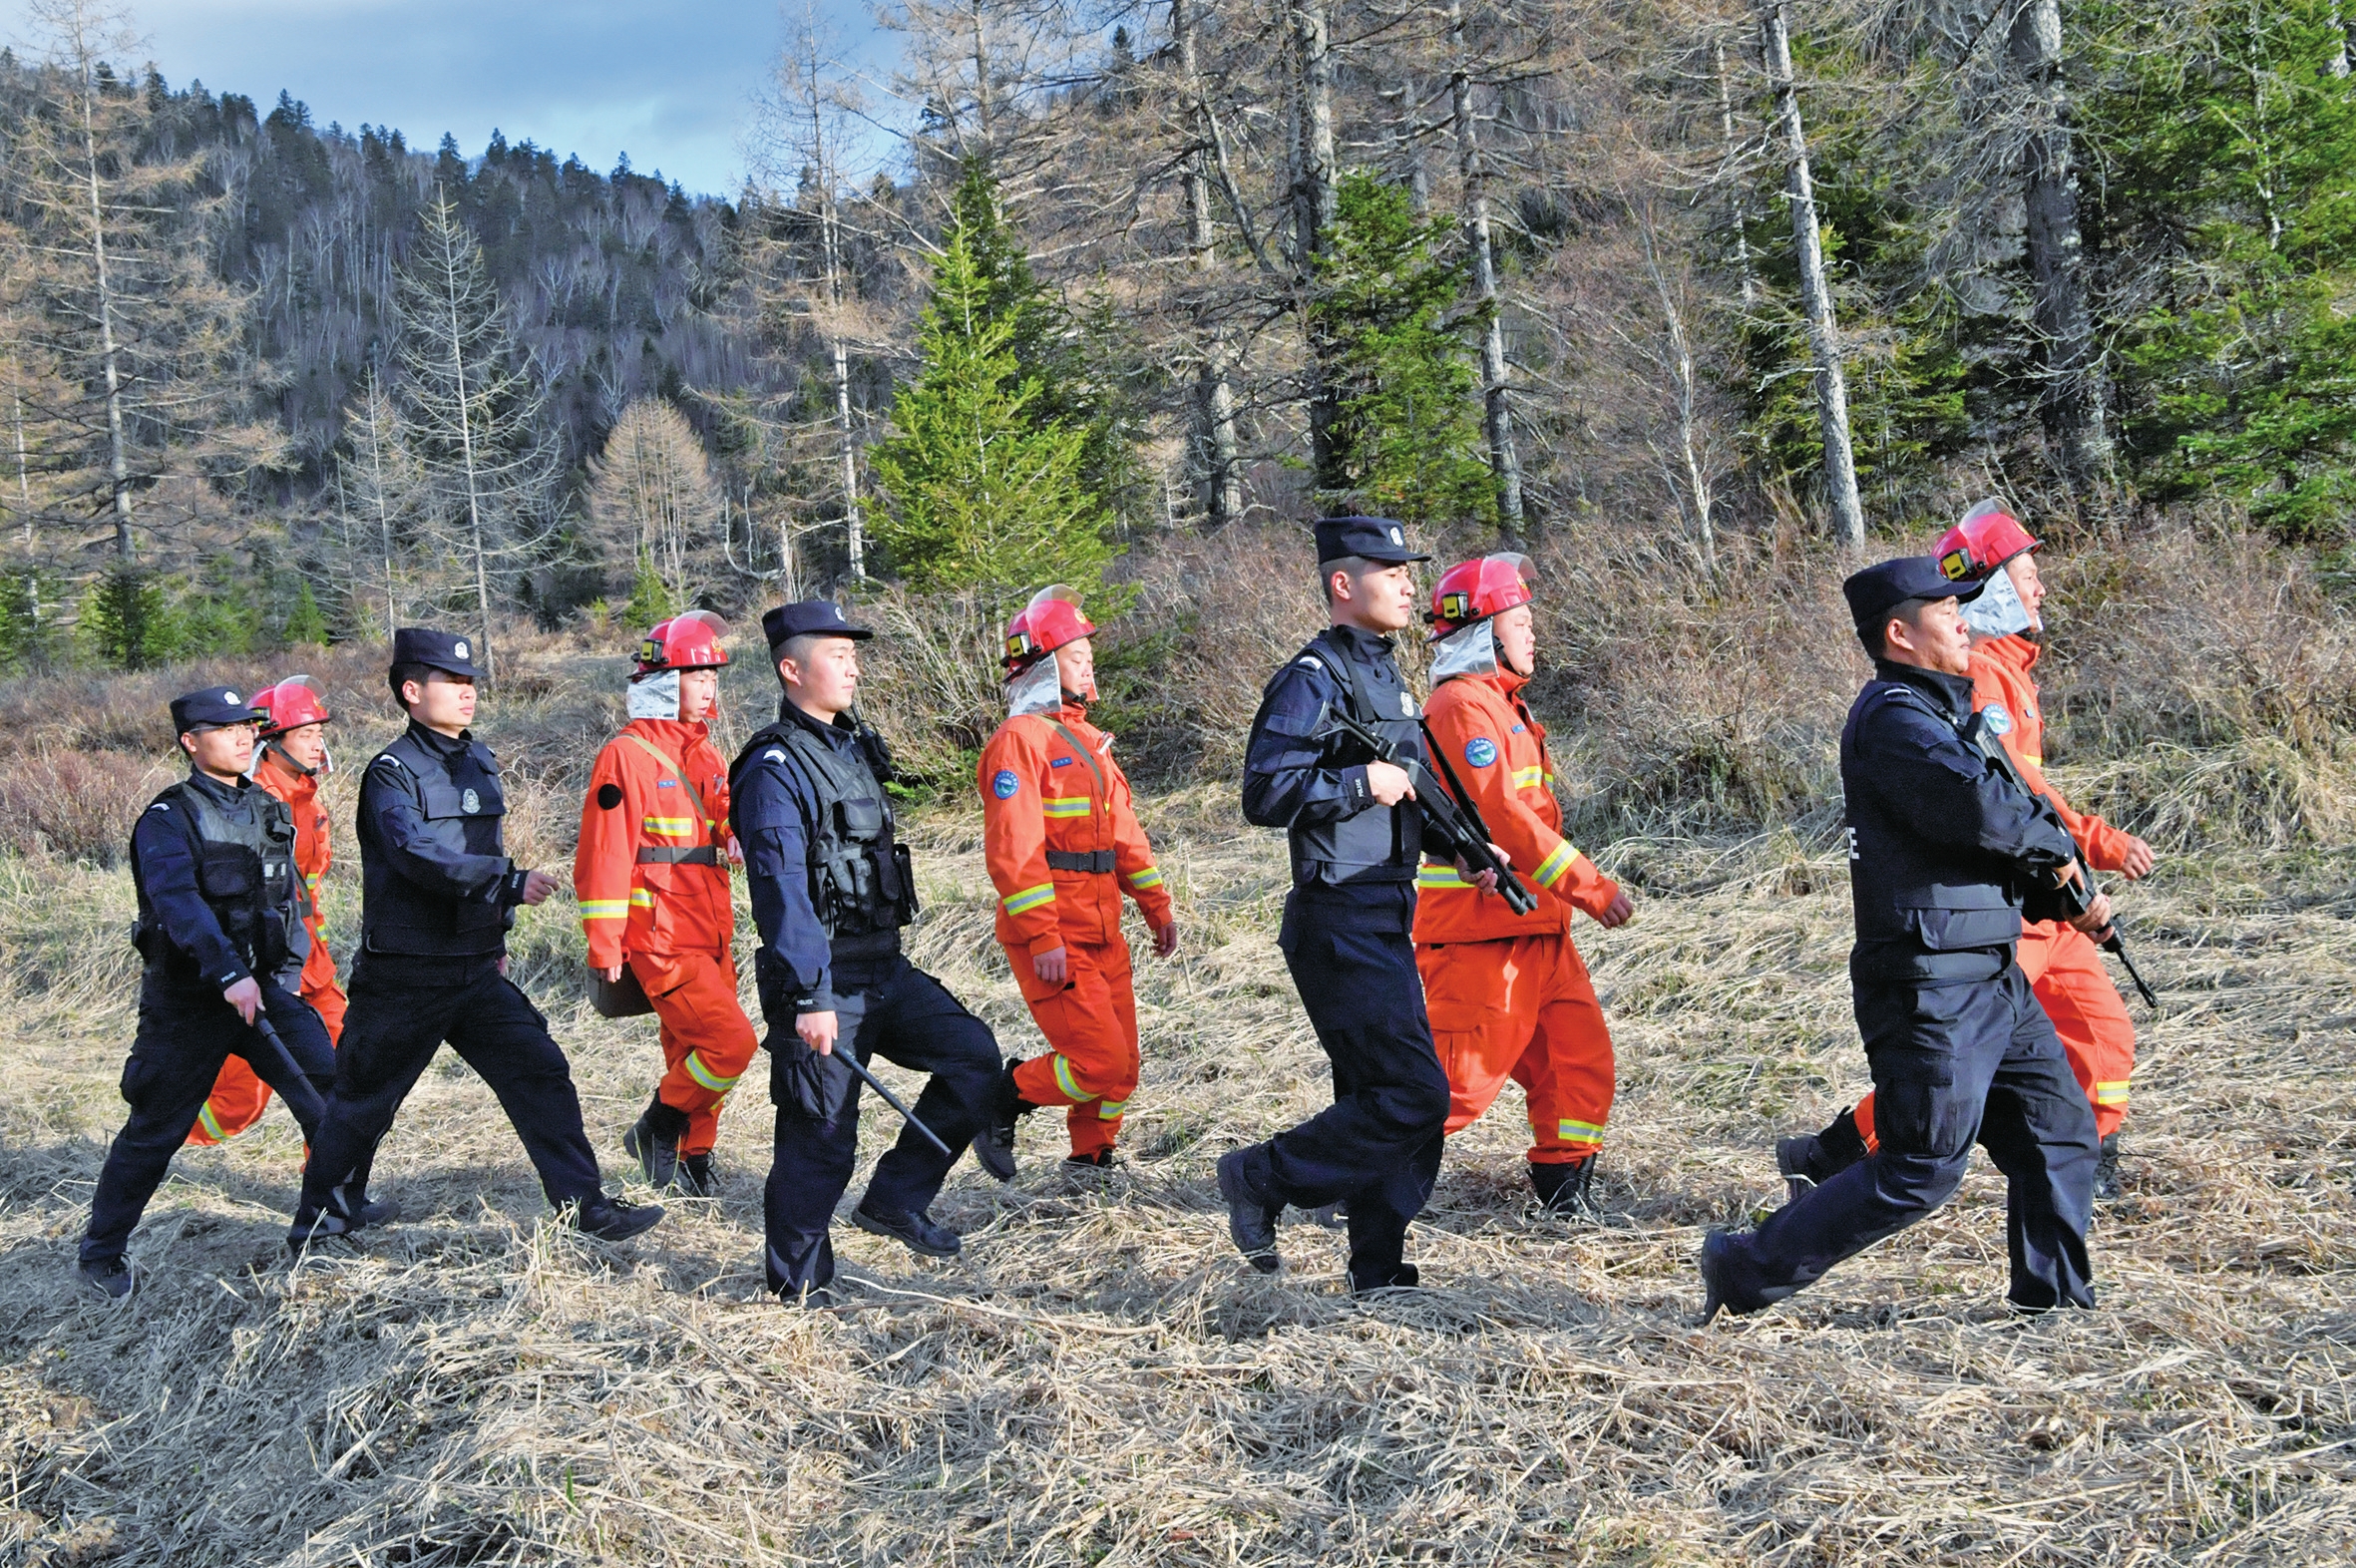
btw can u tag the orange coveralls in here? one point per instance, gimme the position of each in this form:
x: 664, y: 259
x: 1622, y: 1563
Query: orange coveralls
x: 1507, y: 994
x: 238, y: 1097
x: 659, y: 792
x: 1049, y: 788
x: 2064, y: 966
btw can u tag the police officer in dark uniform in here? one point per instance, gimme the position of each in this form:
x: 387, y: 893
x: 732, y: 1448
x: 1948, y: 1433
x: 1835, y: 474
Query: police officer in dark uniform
x: 1944, y: 851
x: 212, y: 864
x: 1356, y: 838
x: 830, y: 890
x: 438, y: 894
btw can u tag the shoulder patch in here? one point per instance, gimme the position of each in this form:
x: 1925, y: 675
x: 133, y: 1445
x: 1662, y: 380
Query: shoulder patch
x: 609, y: 796
x: 1311, y: 660
x: 1006, y: 784
x: 1998, y: 722
x: 161, y: 806
x: 773, y: 754
x: 386, y: 756
x: 1480, y: 751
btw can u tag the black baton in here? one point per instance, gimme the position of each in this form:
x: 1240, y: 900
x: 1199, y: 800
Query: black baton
x: 852, y: 1061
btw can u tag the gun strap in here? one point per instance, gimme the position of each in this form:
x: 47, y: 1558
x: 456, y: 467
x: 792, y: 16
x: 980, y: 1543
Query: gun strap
x: 1085, y: 756
x: 702, y: 815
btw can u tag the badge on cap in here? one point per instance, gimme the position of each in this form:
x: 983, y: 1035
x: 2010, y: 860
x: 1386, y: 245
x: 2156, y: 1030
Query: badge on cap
x: 459, y: 649
x: 229, y: 698
x: 1396, y: 538
x: 470, y: 802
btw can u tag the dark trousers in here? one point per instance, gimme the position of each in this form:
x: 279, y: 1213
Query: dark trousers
x: 887, y: 1008
x: 183, y: 1037
x: 403, y: 1009
x: 1952, y: 1066
x: 1379, y: 1144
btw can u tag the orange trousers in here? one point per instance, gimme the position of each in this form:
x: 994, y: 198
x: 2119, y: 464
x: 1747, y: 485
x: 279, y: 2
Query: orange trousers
x: 2065, y: 968
x: 707, y: 1041
x: 1522, y: 1008
x: 1091, y: 1023
x: 238, y: 1097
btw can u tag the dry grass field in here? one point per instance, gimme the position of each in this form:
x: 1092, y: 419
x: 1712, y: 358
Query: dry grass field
x: 1098, y: 1379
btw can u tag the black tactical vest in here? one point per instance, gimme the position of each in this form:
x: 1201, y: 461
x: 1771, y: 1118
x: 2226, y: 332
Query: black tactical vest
x: 861, y: 880
x: 245, y: 873
x: 1926, y: 911
x: 1380, y: 843
x: 465, y: 811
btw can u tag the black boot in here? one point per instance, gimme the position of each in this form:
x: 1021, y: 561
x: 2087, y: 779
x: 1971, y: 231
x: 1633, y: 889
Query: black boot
x: 1251, y: 1212
x: 914, y: 1230
x: 994, y: 1145
x: 1399, y: 1277
x: 2106, y: 1189
x: 654, y: 1143
x: 697, y: 1178
x: 1101, y: 1160
x: 610, y: 1218
x: 1807, y: 1158
x: 1565, y: 1188
x: 110, y: 1277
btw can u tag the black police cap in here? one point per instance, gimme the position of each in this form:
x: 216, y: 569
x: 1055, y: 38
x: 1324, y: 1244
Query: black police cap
x: 1371, y: 539
x: 1878, y: 590
x: 214, y: 705
x: 820, y: 618
x: 448, y: 651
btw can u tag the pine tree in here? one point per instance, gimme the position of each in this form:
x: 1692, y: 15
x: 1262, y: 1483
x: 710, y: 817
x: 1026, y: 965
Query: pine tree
x: 1407, y: 441
x: 983, y: 492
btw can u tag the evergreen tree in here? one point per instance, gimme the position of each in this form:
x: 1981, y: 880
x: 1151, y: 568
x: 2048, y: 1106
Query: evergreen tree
x: 984, y: 491
x: 1408, y: 442
x: 306, y: 623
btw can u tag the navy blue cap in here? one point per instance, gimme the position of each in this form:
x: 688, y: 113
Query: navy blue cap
x: 214, y: 705
x: 1876, y: 591
x: 1372, y: 538
x: 809, y: 618
x: 448, y: 651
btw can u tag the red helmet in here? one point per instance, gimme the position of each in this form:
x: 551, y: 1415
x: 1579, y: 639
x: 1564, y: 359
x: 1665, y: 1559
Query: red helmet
x: 689, y: 641
x: 1984, y: 541
x: 1472, y: 590
x: 1048, y: 622
x: 290, y: 704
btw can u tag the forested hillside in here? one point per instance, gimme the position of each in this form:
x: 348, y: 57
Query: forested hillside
x: 1713, y: 271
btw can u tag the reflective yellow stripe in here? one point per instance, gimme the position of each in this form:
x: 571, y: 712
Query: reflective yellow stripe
x: 1110, y: 1111
x: 705, y: 1076
x: 2114, y: 1093
x: 1430, y: 876
x: 605, y: 909
x: 1528, y: 778
x: 672, y: 825
x: 1065, y: 805
x: 1029, y: 897
x: 1150, y: 876
x: 1579, y: 1131
x: 1064, y: 1079
x: 211, y: 1127
x: 1551, y: 868
x: 2034, y: 758
x: 641, y: 898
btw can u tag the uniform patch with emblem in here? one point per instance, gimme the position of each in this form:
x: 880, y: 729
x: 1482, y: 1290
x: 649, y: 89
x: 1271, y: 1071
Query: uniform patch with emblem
x: 459, y: 649
x: 470, y: 802
x: 1998, y: 721
x: 1406, y: 704
x: 1006, y: 784
x: 1480, y: 751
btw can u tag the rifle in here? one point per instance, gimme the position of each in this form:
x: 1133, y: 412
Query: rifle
x: 851, y: 1060
x: 1452, y: 812
x: 2072, y: 897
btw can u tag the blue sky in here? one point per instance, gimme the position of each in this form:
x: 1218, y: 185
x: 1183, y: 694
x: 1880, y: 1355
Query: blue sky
x: 671, y: 82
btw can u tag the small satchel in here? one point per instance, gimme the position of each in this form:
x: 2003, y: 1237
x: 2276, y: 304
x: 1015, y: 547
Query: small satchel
x: 622, y: 999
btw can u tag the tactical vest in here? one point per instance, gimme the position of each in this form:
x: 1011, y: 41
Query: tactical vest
x: 245, y: 873
x: 1380, y: 843
x: 465, y: 811
x: 1926, y: 911
x: 861, y: 879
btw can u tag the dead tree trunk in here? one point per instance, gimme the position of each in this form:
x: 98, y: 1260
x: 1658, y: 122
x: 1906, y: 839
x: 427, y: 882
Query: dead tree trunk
x: 2077, y: 388
x: 1832, y: 396
x: 1314, y: 212
x: 1222, y: 482
x: 1496, y: 407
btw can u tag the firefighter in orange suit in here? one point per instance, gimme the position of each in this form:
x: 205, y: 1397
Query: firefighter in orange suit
x: 1507, y: 994
x: 1062, y: 843
x: 2064, y: 965
x: 290, y: 764
x: 651, y: 876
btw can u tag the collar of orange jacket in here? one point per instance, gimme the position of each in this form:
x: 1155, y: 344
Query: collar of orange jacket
x: 275, y: 771
x: 678, y: 734
x: 2015, y: 651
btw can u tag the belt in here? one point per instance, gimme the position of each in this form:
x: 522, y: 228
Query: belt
x: 678, y: 855
x: 1080, y: 859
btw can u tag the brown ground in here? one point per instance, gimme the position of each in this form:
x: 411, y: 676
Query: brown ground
x: 1098, y: 1382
